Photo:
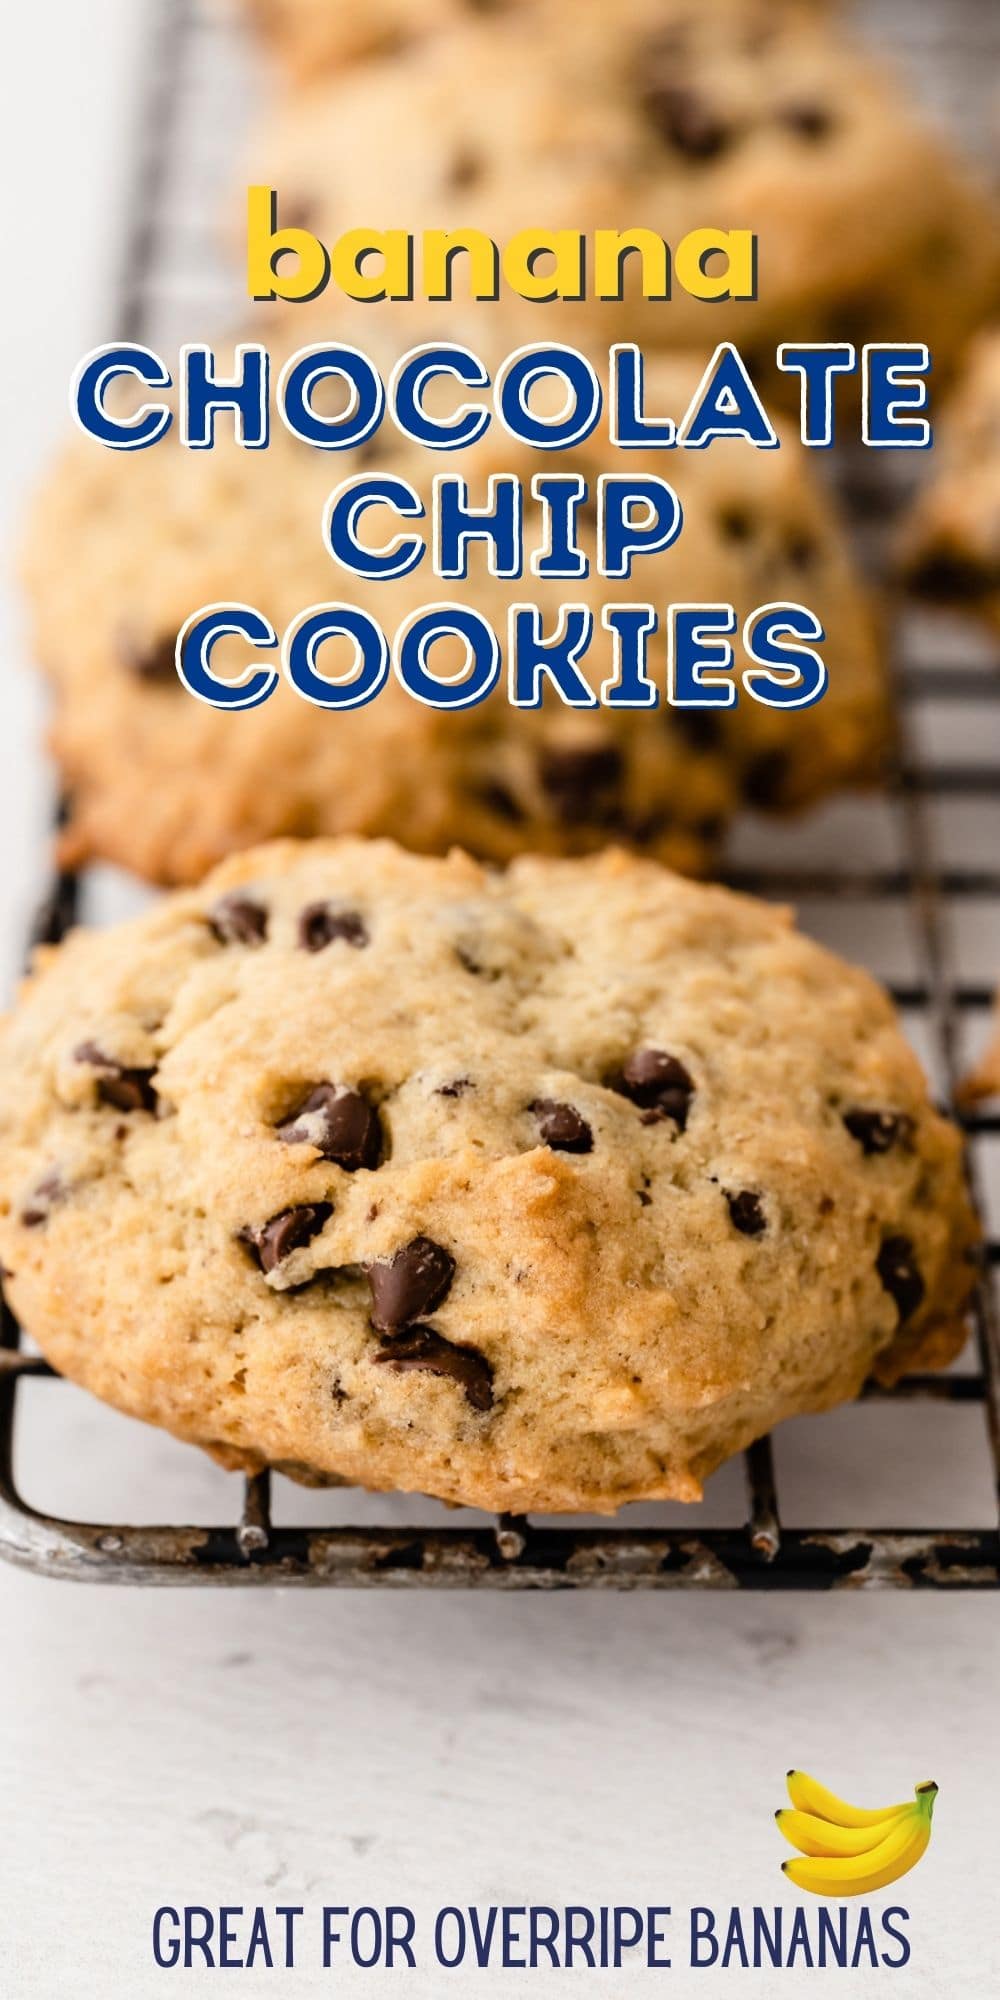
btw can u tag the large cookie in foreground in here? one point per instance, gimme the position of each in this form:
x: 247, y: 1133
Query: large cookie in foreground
x: 547, y: 1189
x: 124, y: 547
x: 667, y: 116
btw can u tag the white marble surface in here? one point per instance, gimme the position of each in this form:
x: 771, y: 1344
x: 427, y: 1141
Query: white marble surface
x: 275, y: 1747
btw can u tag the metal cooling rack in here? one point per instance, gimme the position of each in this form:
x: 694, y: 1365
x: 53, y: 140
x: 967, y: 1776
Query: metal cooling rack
x: 164, y: 273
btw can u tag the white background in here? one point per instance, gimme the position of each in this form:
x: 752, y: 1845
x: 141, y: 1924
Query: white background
x: 311, y: 1748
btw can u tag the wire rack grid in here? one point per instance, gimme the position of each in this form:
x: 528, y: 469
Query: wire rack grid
x: 923, y: 884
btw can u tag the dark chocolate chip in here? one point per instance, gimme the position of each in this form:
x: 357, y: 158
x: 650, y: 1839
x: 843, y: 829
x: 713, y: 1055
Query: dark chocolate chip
x: 945, y: 577
x: 659, y: 1084
x: 578, y: 779
x: 412, y: 1282
x: 561, y: 1126
x: 457, y: 1088
x: 237, y: 919
x: 499, y: 800
x: 420, y: 1348
x: 700, y: 727
x: 340, y: 1123
x: 126, y: 1089
x: 897, y: 1269
x: 321, y: 924
x: 685, y: 120
x: 807, y: 121
x: 43, y: 1198
x: 765, y: 778
x: 746, y: 1213
x: 736, y: 524
x: 711, y: 828
x: 289, y: 1230
x: 465, y: 170
x: 155, y: 661
x: 879, y: 1131
x: 800, y: 549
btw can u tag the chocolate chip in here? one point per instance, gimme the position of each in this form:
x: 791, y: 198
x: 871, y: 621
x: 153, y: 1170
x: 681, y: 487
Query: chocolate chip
x: 50, y: 1190
x: 497, y: 799
x: 945, y: 577
x: 289, y: 1230
x: 126, y: 1089
x: 575, y: 778
x: 800, y: 549
x: 807, y: 121
x: 658, y: 1083
x: 700, y: 728
x: 465, y: 170
x: 685, y: 120
x: 236, y: 919
x: 561, y: 1126
x: 736, y: 524
x: 321, y: 924
x: 340, y: 1123
x: 898, y: 1271
x: 457, y: 1088
x: 422, y: 1349
x: 878, y: 1131
x: 765, y: 778
x: 412, y: 1282
x: 746, y: 1213
x: 154, y: 661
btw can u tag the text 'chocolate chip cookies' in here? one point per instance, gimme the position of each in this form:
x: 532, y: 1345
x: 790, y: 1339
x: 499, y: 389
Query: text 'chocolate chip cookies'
x: 546, y: 1189
x: 123, y: 547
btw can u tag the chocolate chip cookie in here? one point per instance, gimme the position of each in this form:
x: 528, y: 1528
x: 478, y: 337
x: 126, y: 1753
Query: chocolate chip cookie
x: 665, y: 115
x: 540, y: 1189
x: 124, y: 547
x: 950, y: 551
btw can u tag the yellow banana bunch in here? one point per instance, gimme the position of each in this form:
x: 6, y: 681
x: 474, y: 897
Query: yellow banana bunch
x: 847, y: 1850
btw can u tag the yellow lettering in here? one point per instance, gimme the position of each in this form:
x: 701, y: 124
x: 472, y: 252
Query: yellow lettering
x: 737, y: 277
x: 268, y: 246
x: 563, y: 252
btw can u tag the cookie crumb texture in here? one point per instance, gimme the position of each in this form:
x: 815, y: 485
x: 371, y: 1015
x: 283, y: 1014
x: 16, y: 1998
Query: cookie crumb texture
x: 547, y: 1189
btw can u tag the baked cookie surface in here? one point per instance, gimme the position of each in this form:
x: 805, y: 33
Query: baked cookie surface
x: 311, y: 35
x: 950, y: 550
x: 540, y: 1189
x: 124, y: 547
x: 668, y: 117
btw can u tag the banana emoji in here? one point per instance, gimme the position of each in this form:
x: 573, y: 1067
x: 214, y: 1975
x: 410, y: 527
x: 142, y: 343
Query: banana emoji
x: 847, y: 1850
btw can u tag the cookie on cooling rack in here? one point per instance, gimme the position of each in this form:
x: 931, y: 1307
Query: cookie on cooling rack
x: 540, y: 1189
x: 950, y: 550
x: 664, y: 115
x: 123, y: 548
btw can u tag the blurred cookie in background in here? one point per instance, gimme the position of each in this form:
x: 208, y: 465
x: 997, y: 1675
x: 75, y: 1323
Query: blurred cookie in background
x: 123, y: 548
x: 664, y: 117
x: 950, y: 546
x: 308, y: 36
